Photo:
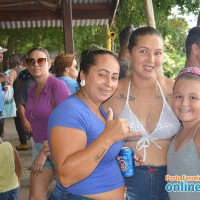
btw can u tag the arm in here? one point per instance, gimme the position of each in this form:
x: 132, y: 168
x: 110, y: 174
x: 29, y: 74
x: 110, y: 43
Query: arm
x: 25, y: 122
x: 18, y: 167
x: 69, y: 151
x: 13, y: 75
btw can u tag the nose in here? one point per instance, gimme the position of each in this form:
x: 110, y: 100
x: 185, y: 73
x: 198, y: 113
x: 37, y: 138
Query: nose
x: 108, y: 81
x: 184, y: 102
x: 151, y: 57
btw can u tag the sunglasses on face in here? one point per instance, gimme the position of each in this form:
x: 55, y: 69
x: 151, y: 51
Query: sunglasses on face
x: 40, y: 61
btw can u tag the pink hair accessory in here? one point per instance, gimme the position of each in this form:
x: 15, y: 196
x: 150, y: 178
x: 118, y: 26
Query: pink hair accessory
x: 192, y: 70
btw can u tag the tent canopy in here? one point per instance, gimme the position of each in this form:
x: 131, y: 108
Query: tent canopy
x: 57, y: 13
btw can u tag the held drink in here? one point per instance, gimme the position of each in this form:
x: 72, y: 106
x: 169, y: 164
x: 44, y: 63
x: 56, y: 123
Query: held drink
x: 127, y: 162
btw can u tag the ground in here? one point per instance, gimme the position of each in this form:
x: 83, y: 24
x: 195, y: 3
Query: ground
x: 25, y: 156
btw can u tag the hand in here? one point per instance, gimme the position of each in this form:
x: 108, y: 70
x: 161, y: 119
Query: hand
x: 38, y: 163
x: 4, y: 79
x: 27, y: 126
x: 118, y: 129
x: 138, y: 159
x: 10, y: 80
x: 46, y: 148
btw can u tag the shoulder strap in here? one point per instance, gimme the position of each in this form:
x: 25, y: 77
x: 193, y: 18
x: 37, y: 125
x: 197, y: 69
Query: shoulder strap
x: 195, y: 131
x: 128, y: 92
x: 162, y: 94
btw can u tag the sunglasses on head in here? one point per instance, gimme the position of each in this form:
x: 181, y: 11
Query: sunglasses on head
x: 40, y: 61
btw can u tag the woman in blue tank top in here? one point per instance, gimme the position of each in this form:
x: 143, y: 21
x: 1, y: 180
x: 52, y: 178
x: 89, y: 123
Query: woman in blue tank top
x: 144, y: 100
x: 84, y: 141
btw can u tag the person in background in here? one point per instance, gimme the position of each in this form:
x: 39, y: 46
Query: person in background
x: 145, y: 100
x: 183, y: 154
x: 10, y: 170
x: 16, y: 67
x: 43, y: 97
x: 3, y: 79
x: 66, y: 69
x: 21, y: 106
x: 192, y: 46
x: 123, y: 56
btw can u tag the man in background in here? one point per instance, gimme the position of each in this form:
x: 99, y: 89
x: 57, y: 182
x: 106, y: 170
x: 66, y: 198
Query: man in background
x: 192, y: 46
x: 123, y: 57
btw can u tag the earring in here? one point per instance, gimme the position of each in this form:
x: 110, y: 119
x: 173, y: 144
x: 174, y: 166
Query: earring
x: 82, y: 83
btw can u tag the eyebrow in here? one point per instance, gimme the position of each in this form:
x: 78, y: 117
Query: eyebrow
x: 148, y: 48
x: 106, y: 71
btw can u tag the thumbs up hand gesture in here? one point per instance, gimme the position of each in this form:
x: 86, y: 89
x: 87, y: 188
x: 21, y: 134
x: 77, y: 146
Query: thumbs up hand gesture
x: 118, y: 129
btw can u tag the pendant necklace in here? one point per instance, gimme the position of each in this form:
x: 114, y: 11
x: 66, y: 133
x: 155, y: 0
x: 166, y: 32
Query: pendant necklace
x: 149, y: 118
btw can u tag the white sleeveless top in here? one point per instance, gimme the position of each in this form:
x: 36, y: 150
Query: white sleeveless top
x: 168, y: 124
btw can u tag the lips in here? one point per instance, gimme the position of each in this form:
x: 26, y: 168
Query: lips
x: 104, y: 91
x: 148, y: 68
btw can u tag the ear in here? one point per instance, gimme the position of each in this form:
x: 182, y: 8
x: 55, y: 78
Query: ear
x: 195, y: 49
x: 67, y: 69
x: 82, y: 75
x: 49, y: 64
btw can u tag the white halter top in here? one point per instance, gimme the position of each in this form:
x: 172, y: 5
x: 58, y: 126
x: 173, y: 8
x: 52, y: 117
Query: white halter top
x: 168, y: 124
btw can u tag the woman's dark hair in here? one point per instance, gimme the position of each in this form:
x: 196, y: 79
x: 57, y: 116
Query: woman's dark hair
x: 14, y: 61
x: 141, y: 32
x: 192, y: 38
x: 89, y: 58
x: 40, y: 49
x: 125, y: 34
x: 61, y: 62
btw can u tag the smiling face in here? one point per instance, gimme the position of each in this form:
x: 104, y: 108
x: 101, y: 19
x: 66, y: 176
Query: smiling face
x: 102, y: 79
x: 36, y: 70
x: 186, y: 100
x: 147, y: 56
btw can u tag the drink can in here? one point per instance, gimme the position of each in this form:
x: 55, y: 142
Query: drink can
x: 127, y: 162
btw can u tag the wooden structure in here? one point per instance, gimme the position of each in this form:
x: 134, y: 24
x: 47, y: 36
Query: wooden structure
x: 57, y: 13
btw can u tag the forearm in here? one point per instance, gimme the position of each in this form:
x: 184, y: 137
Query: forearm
x: 18, y: 167
x: 80, y: 165
x: 21, y: 112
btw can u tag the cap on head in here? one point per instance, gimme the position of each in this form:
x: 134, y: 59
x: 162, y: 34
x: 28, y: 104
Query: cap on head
x: 2, y: 49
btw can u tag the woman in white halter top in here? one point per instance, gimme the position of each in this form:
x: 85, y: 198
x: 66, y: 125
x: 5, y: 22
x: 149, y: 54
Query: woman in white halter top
x: 144, y: 99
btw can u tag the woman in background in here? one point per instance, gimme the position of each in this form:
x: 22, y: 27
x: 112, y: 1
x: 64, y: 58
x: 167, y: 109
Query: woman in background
x: 66, y: 69
x: 44, y: 96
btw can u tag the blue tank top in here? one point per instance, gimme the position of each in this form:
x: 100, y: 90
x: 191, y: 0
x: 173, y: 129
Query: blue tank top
x: 168, y: 124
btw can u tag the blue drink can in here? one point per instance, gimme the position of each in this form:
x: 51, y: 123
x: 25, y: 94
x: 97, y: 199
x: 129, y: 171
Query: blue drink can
x: 127, y: 162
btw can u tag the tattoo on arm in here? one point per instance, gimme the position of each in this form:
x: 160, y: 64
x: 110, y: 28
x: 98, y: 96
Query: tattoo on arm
x: 100, y: 155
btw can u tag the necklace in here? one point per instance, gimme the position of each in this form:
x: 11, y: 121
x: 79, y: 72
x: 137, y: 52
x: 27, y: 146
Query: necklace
x: 149, y: 118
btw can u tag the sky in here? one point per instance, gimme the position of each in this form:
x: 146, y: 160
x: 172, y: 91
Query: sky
x: 190, y: 18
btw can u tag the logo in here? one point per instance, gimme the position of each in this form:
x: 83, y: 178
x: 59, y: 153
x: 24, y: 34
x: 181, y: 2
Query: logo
x: 123, y: 165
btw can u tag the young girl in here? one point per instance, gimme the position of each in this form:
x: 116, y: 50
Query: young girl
x: 183, y: 162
